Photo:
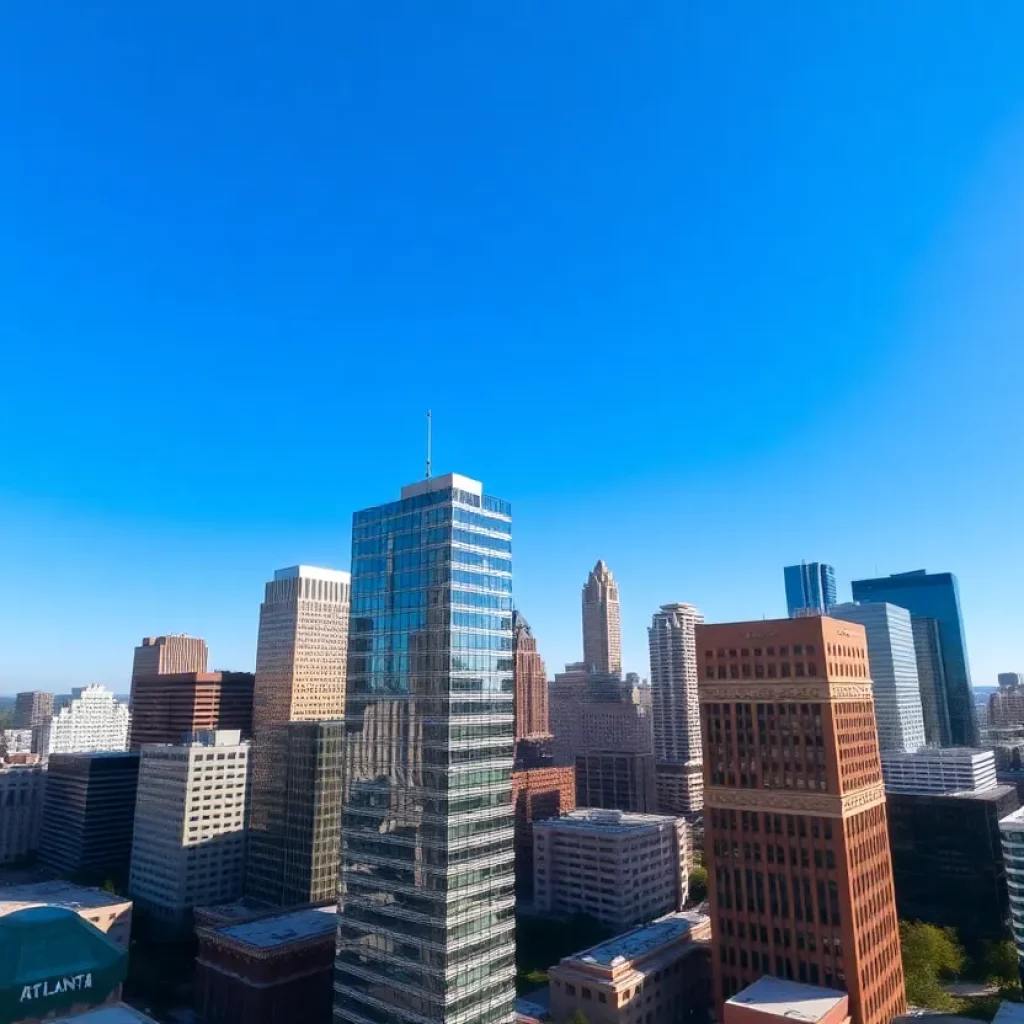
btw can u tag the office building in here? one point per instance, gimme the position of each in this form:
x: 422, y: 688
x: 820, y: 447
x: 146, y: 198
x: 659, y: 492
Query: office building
x: 32, y: 708
x: 169, y: 708
x: 676, y: 711
x: 1011, y: 831
x: 21, y: 810
x: 623, y: 869
x: 188, y: 847
x: 425, y: 928
x: 778, y: 1001
x: 1006, y: 705
x: 795, y: 834
x: 177, y: 654
x: 110, y: 913
x: 295, y: 820
x: 88, y: 811
x: 948, y: 770
x: 931, y: 678
x: 537, y: 794
x: 810, y: 588
x: 660, y: 970
x: 1010, y: 678
x: 531, y: 685
x: 935, y: 596
x: 15, y: 741
x: 267, y: 968
x: 93, y: 720
x: 947, y: 861
x: 602, y: 632
x: 892, y: 661
x: 616, y: 782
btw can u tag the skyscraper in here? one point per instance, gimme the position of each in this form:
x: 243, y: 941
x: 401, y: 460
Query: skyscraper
x: 796, y: 842
x: 892, y: 659
x: 425, y: 928
x: 932, y: 680
x: 937, y: 596
x: 32, y: 708
x: 810, y: 588
x: 531, y: 682
x: 676, y: 708
x: 602, y: 636
x: 164, y: 655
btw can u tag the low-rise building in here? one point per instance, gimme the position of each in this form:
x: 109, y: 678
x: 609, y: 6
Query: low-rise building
x: 21, y: 810
x: 623, y: 869
x: 939, y: 770
x: 110, y: 913
x: 660, y: 972
x: 779, y: 1001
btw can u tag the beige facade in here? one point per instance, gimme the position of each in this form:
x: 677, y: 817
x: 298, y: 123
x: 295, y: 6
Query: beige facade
x: 111, y: 913
x: 602, y: 632
x: 21, y: 810
x: 161, y: 655
x: 679, y: 787
x: 659, y: 972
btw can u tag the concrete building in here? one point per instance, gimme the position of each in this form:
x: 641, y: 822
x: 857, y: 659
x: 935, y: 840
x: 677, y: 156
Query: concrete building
x: 602, y: 631
x: 677, y: 749
x: 537, y: 794
x: 892, y: 661
x: 93, y: 720
x: 931, y: 678
x: 301, y: 654
x: 111, y: 913
x: 170, y: 707
x: 15, y: 741
x: 21, y: 810
x: 429, y: 750
x: 88, y: 810
x: 616, y: 782
x: 623, y: 869
x: 1011, y: 831
x: 176, y: 654
x: 268, y: 968
x: 188, y: 847
x: 531, y: 685
x: 795, y: 833
x: 659, y: 972
x: 32, y: 708
x: 947, y: 859
x: 949, y: 770
x: 810, y: 588
x: 1006, y: 705
x: 778, y: 1001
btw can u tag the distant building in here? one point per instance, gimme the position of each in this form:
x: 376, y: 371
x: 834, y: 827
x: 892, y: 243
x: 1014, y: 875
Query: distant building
x: 32, y: 708
x: 188, y: 847
x: 1010, y: 678
x: 947, y: 860
x: 170, y: 707
x: 531, y: 685
x: 537, y: 794
x: 623, y: 869
x: 892, y: 661
x: 810, y: 588
x: 616, y: 782
x: 111, y: 913
x: 15, y: 741
x: 168, y: 655
x: 932, y: 679
x: 602, y: 631
x: 662, y: 969
x: 948, y: 770
x: 88, y: 811
x: 93, y: 720
x: 1006, y: 705
x: 266, y: 969
x: 936, y: 596
x: 21, y: 810
x: 778, y: 1001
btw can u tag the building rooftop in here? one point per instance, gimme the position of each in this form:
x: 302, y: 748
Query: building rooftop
x: 312, y: 572
x: 638, y: 942
x: 56, y: 894
x: 936, y: 754
x: 788, y: 999
x: 115, y: 1013
x: 535, y: 1005
x: 1009, y: 1013
x: 997, y: 792
x: 281, y: 929
x: 606, y: 820
x: 1014, y: 821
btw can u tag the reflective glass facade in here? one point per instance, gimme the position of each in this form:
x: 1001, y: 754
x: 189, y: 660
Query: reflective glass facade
x: 810, y: 588
x: 426, y: 914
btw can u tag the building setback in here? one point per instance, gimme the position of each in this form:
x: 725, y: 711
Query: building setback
x: 537, y: 794
x: 32, y: 708
x: 92, y: 720
x: 602, y: 631
x: 88, y: 811
x: 21, y: 810
x: 169, y: 655
x: 616, y: 782
x: 796, y: 843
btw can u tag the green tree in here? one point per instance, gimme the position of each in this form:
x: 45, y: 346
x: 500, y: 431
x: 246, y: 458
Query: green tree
x: 698, y: 884
x: 999, y: 963
x: 930, y: 955
x: 578, y: 1017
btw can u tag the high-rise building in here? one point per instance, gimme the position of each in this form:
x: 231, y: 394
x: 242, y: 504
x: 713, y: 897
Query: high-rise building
x: 1006, y: 705
x: 677, y: 749
x: 32, y: 708
x: 531, y: 684
x: 21, y: 810
x: 602, y: 633
x: 936, y: 596
x: 1011, y: 830
x: 94, y: 720
x: 169, y: 655
x: 188, y: 847
x: 425, y: 928
x: 616, y: 781
x: 1010, y: 679
x: 88, y: 811
x: 932, y: 680
x: 169, y: 708
x: 796, y: 843
x: 810, y: 588
x: 892, y: 661
x: 939, y: 770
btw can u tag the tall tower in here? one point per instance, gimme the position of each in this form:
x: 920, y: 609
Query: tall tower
x: 298, y: 704
x: 810, y: 588
x: 677, y: 748
x: 796, y: 841
x: 163, y: 655
x: 531, y: 684
x: 602, y: 635
x: 425, y: 924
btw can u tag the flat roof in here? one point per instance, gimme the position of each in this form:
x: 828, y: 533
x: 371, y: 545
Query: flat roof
x: 609, y: 821
x: 115, y: 1013
x: 534, y: 1004
x: 788, y: 999
x: 1013, y: 819
x: 1009, y: 1013
x: 312, y: 572
x: 57, y: 894
x: 280, y: 929
x: 639, y: 941
x: 936, y: 754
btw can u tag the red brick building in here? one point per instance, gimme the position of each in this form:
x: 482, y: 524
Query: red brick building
x: 537, y: 794
x: 531, y: 685
x: 169, y: 706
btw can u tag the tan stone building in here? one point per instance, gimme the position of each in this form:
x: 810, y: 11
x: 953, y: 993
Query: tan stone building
x: 777, y: 1001
x: 111, y: 913
x: 168, y: 655
x: 602, y: 632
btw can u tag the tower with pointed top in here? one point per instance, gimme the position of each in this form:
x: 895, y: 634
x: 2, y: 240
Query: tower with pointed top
x: 602, y: 635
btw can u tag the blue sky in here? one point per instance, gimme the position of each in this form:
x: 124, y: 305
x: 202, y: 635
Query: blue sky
x: 702, y: 288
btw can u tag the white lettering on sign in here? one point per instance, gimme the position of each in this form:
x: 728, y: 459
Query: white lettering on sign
x: 54, y: 987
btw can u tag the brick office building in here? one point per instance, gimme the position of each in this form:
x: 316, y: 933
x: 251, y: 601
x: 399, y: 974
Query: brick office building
x: 796, y: 843
x: 537, y: 794
x: 169, y: 707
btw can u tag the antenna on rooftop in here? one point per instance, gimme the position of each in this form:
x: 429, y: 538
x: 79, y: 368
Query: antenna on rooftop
x: 428, y: 444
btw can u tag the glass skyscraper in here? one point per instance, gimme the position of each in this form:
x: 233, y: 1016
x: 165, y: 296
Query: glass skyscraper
x: 935, y: 595
x: 426, y: 907
x: 810, y: 588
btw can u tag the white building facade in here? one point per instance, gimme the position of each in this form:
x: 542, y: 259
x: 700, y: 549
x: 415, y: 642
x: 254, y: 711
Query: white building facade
x: 1011, y: 830
x: 946, y: 770
x: 94, y: 719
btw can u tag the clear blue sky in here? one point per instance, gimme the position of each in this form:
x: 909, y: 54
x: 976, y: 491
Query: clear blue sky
x: 702, y: 288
